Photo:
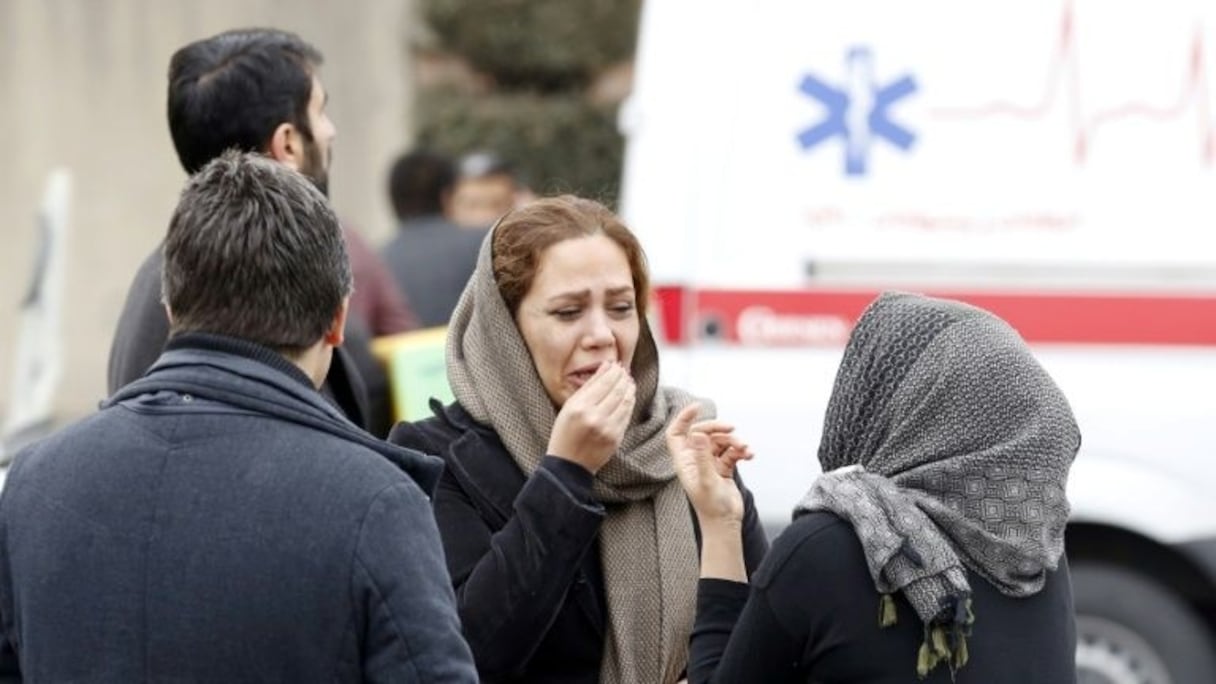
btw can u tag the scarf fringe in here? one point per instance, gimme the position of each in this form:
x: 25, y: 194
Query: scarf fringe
x: 886, y: 611
x: 946, y: 642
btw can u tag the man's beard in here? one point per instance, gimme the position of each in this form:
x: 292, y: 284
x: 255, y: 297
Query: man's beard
x: 316, y: 167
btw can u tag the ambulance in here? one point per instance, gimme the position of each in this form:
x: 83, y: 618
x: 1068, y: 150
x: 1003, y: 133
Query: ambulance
x: 1051, y: 161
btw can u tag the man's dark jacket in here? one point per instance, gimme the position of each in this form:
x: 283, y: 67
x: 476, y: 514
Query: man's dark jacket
x: 143, y: 328
x: 218, y: 521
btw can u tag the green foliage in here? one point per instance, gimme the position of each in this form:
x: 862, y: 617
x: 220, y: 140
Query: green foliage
x: 542, y: 45
x: 560, y: 142
x: 541, y: 57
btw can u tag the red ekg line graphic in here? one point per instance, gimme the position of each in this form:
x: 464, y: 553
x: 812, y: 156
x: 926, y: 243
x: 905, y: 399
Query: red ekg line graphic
x: 1063, y: 69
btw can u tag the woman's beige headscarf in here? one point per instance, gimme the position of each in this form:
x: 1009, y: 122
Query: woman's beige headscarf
x: 646, y: 543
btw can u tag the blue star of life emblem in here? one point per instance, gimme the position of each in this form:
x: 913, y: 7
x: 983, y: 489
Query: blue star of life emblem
x: 859, y: 112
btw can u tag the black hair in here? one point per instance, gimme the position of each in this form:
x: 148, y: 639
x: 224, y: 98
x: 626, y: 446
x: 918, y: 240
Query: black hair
x: 234, y: 89
x: 418, y: 182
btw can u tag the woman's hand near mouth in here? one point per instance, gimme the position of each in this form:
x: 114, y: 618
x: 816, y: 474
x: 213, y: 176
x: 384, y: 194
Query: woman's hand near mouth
x: 592, y: 422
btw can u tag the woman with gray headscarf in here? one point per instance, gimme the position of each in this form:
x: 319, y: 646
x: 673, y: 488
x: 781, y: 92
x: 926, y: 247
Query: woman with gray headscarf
x: 931, y: 547
x: 571, y: 544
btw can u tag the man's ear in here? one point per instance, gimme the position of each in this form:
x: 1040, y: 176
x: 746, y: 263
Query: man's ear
x: 335, y: 335
x: 287, y: 146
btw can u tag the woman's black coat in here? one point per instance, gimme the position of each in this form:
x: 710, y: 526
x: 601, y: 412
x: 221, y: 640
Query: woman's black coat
x: 522, y: 552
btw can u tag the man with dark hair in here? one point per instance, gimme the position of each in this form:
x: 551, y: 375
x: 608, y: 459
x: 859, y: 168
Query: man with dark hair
x: 250, y: 256
x: 245, y: 88
x: 258, y: 90
x: 217, y: 520
x: 430, y: 257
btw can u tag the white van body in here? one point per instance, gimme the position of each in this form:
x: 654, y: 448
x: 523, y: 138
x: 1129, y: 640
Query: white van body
x: 1051, y: 161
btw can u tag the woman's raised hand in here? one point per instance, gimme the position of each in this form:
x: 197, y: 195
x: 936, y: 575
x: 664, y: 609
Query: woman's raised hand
x: 704, y: 455
x: 591, y: 424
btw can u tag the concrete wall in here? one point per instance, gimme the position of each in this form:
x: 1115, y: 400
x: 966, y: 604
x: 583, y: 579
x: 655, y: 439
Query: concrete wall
x: 82, y: 85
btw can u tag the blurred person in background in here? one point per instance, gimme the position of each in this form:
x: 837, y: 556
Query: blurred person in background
x: 571, y: 546
x: 932, y: 547
x: 487, y: 186
x: 259, y: 90
x: 430, y: 257
x: 218, y: 520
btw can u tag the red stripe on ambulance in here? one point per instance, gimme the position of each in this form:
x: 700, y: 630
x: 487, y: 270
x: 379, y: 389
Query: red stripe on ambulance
x: 824, y: 317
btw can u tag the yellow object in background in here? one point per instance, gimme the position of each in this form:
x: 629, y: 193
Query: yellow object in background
x: 416, y: 370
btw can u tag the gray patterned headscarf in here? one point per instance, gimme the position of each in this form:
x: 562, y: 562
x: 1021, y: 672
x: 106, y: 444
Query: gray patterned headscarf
x: 946, y: 446
x: 647, y: 543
